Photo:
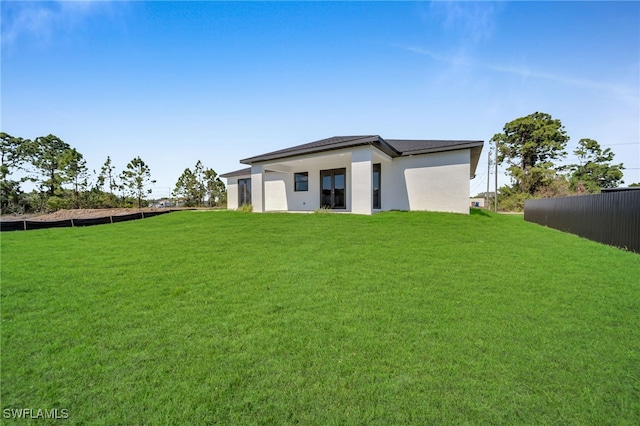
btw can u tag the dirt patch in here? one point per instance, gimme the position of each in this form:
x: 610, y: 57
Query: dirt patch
x: 82, y: 214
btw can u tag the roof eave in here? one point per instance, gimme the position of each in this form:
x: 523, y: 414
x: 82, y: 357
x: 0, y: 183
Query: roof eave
x: 474, y: 159
x: 466, y: 145
x: 241, y: 172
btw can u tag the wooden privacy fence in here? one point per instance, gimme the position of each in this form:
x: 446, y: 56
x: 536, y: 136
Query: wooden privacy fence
x: 612, y: 217
x: 25, y: 225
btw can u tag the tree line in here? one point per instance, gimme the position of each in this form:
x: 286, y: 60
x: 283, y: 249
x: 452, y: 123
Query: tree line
x: 533, y: 148
x: 63, y: 181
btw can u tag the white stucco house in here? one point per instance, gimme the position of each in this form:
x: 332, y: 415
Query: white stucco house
x: 358, y: 174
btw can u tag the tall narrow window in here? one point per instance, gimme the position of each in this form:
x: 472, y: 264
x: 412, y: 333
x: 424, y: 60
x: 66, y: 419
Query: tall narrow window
x: 244, y: 192
x: 377, y: 199
x: 301, y: 181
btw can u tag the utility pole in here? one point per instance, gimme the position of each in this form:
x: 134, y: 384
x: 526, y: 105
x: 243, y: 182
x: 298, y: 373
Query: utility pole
x: 486, y: 194
x: 496, y: 180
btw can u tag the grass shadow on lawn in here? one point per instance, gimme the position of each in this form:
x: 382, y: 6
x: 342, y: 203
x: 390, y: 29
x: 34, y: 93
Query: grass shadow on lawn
x: 479, y: 212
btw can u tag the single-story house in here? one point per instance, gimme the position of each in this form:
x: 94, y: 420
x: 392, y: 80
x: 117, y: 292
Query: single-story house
x: 358, y: 174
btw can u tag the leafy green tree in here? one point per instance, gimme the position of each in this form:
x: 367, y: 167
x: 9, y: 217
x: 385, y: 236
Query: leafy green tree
x: 216, y: 190
x: 188, y: 189
x: 14, y: 153
x: 107, y: 176
x: 530, y: 145
x: 558, y: 187
x: 12, y: 198
x: 200, y: 187
x: 136, y: 179
x: 595, y: 171
x: 103, y: 195
x: 50, y: 157
x: 76, y: 173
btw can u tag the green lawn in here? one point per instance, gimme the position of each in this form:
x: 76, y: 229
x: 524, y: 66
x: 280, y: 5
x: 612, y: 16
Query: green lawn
x: 397, y: 318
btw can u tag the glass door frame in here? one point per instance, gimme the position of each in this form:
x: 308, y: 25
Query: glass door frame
x: 244, y: 192
x: 333, y: 195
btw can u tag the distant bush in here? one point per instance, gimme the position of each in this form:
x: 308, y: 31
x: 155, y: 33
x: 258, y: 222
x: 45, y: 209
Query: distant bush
x: 56, y: 203
x: 247, y: 208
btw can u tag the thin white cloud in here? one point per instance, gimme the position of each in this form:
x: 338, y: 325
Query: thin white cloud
x: 450, y: 60
x: 615, y: 89
x: 471, y: 21
x: 471, y: 24
x: 628, y: 94
x: 42, y: 20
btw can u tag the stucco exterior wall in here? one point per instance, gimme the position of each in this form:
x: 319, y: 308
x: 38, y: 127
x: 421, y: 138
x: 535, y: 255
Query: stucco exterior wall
x: 305, y: 200
x: 434, y: 182
x: 257, y: 188
x: 361, y: 180
x: 232, y: 193
x: 275, y: 191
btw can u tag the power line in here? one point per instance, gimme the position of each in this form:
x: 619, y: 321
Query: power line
x: 476, y: 187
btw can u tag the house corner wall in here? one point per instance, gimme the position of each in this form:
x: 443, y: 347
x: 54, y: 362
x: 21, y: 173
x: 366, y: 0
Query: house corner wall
x: 361, y: 181
x: 257, y: 188
x: 432, y: 182
x: 232, y: 193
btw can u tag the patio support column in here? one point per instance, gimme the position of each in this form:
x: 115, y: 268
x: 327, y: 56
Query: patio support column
x: 257, y: 188
x: 361, y: 180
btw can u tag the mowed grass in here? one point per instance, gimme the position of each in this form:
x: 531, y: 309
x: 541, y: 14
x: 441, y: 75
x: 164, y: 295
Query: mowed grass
x: 397, y: 318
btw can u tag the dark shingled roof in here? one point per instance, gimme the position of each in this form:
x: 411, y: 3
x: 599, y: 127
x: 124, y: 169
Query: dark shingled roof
x: 336, y: 142
x: 413, y: 147
x: 391, y: 147
x: 241, y: 172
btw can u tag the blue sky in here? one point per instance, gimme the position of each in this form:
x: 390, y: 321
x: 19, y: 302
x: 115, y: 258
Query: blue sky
x: 178, y: 82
